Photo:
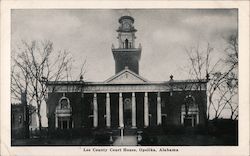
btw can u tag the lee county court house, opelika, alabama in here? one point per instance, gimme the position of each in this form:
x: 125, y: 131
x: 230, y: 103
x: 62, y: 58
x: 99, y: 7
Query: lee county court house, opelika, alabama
x: 126, y: 100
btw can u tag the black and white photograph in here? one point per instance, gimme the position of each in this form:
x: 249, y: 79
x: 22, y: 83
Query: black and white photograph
x: 129, y: 77
x: 160, y: 80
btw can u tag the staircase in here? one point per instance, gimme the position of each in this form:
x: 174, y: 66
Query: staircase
x: 126, y: 132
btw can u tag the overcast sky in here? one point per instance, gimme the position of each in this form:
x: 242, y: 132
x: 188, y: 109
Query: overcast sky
x: 163, y: 34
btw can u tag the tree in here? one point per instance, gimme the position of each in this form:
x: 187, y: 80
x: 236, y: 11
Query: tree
x: 221, y: 76
x: 32, y: 64
x: 200, y: 69
x: 232, y: 78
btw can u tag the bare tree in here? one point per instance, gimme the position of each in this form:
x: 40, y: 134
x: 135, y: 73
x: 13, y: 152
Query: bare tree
x: 232, y: 78
x: 33, y: 64
x: 220, y: 74
x: 201, y: 69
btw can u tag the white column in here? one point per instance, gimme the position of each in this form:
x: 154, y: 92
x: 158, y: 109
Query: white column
x: 182, y: 117
x: 146, y: 123
x: 108, y: 124
x: 56, y: 121
x: 197, y: 118
x: 158, y: 108
x: 192, y: 120
x: 61, y: 124
x: 72, y: 123
x: 133, y: 111
x: 121, y: 124
x: 95, y: 111
x: 67, y: 123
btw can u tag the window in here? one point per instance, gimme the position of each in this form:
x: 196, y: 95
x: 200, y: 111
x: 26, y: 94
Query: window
x: 126, y: 43
x: 63, y: 114
x: 189, y: 112
x: 64, y: 122
x: 64, y: 103
x: 20, y: 119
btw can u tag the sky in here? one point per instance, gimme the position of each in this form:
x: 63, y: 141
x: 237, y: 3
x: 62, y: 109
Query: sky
x: 163, y: 33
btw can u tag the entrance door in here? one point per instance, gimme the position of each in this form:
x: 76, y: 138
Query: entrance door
x: 127, y: 112
x: 127, y: 118
x: 188, y: 122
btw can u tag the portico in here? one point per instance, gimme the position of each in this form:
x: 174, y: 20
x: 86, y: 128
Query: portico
x: 126, y: 104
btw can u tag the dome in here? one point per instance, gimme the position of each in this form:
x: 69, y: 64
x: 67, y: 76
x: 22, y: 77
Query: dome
x: 126, y: 17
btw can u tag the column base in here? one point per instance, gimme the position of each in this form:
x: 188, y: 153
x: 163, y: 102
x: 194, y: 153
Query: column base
x: 108, y: 127
x: 134, y: 127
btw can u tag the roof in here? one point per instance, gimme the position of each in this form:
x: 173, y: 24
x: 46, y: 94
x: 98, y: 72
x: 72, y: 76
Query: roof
x: 126, y: 76
x: 126, y: 17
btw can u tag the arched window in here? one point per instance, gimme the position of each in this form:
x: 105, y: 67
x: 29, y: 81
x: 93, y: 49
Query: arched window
x: 63, y: 119
x: 64, y: 104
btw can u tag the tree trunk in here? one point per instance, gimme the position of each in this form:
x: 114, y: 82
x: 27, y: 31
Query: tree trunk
x: 27, y: 131
x: 40, y: 122
x: 26, y: 114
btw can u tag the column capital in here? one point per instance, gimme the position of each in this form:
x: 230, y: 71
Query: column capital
x: 107, y: 94
x: 158, y: 94
x: 133, y: 93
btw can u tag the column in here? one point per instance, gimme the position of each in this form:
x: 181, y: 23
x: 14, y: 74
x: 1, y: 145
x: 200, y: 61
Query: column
x: 133, y: 111
x: 158, y: 108
x: 56, y: 121
x: 61, y: 124
x: 197, y: 118
x: 72, y: 123
x: 121, y: 124
x: 108, y: 124
x: 182, y: 117
x: 192, y: 121
x: 95, y: 111
x: 67, y: 123
x: 146, y: 123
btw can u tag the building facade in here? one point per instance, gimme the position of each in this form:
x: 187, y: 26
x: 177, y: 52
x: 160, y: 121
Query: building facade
x: 126, y: 99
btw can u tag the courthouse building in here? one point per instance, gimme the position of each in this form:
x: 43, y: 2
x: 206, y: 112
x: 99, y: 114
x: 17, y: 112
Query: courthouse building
x: 126, y: 99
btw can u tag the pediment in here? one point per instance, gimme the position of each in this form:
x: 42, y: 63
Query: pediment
x: 126, y: 76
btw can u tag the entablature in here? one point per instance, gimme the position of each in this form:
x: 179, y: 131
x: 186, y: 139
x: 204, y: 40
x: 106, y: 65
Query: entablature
x: 113, y: 88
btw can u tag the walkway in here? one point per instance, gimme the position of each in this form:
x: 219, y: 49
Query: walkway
x: 127, y: 141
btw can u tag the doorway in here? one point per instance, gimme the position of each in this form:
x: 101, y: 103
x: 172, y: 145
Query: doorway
x: 126, y: 43
x: 127, y: 112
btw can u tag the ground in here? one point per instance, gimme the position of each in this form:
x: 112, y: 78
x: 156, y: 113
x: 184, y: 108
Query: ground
x: 163, y: 140
x: 217, y: 133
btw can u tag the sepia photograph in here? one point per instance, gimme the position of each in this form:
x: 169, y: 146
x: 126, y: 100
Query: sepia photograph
x: 124, y: 77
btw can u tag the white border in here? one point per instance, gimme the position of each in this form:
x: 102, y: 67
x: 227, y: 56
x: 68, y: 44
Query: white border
x: 243, y: 6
